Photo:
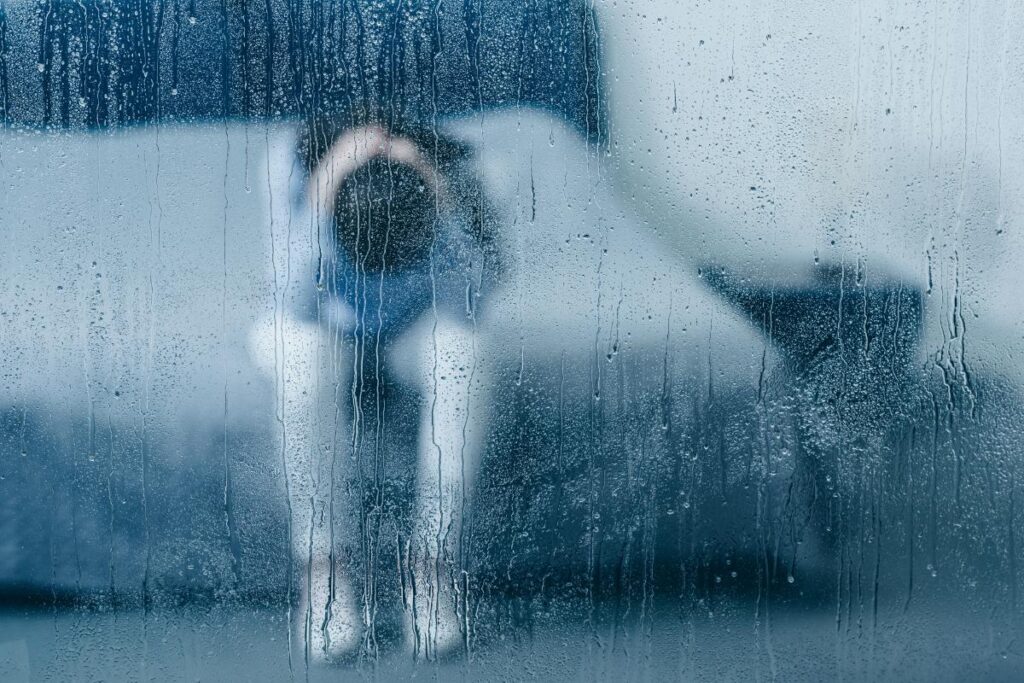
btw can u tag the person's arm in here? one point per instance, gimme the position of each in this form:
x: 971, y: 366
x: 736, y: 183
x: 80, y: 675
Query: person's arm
x: 353, y: 149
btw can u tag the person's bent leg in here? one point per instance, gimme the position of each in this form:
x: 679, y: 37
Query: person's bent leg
x: 311, y: 376
x: 453, y: 426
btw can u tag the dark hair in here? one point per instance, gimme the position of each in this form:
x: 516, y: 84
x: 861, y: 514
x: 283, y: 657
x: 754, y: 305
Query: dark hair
x: 385, y: 212
x: 384, y: 216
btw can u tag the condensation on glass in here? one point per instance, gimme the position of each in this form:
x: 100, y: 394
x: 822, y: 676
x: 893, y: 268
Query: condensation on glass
x: 504, y: 340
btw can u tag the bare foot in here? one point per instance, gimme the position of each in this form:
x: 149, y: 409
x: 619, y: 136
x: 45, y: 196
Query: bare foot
x: 326, y: 624
x: 435, y: 627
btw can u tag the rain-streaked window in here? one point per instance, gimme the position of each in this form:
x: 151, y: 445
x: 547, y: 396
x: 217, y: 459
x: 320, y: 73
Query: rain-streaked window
x: 502, y: 340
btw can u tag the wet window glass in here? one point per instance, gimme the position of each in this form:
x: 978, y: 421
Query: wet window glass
x: 634, y: 340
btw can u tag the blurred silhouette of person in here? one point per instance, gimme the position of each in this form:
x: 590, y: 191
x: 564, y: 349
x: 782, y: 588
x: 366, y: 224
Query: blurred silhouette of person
x: 386, y: 229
